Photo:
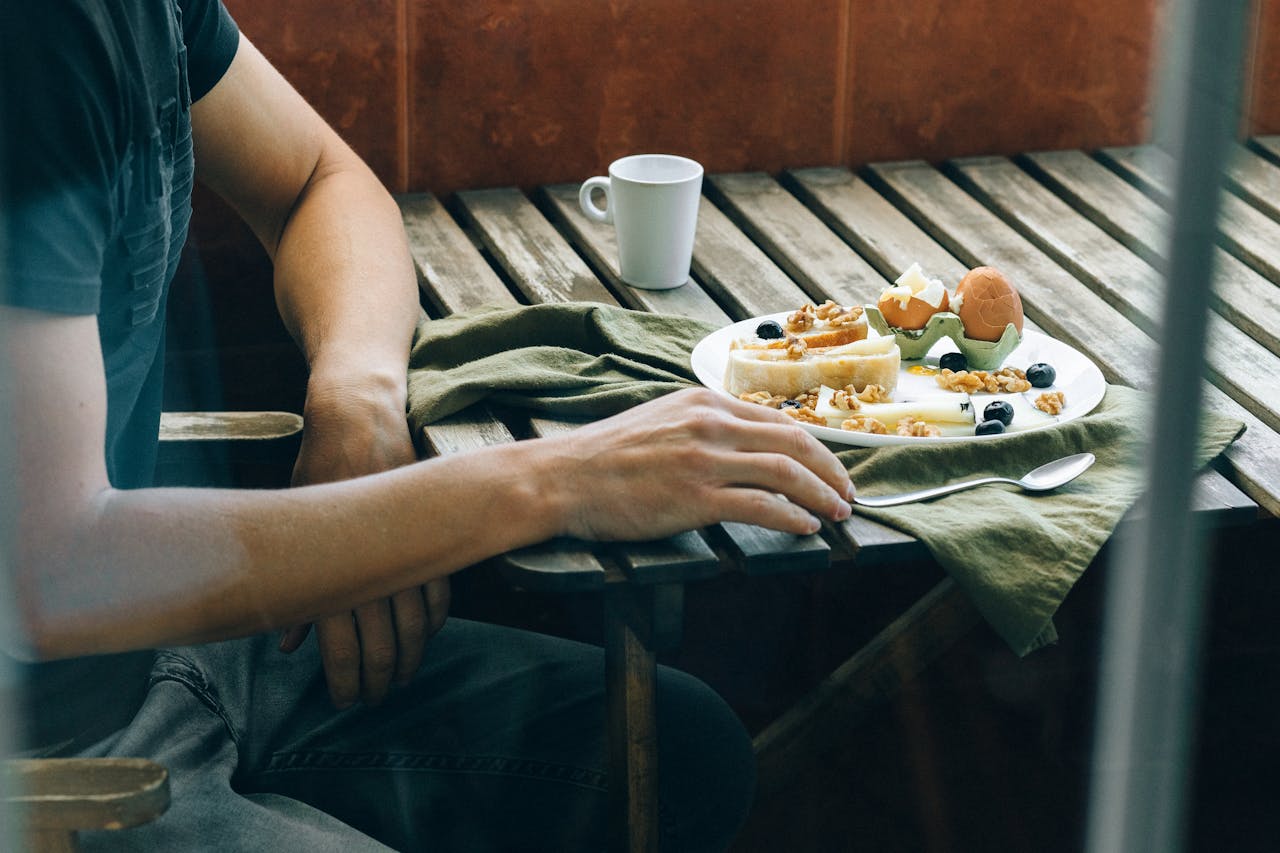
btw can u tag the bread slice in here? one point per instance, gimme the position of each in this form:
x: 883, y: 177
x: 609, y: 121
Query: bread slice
x: 827, y: 325
x: 871, y: 361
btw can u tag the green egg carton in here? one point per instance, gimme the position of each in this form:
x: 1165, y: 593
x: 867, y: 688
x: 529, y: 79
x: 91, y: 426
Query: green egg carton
x: 915, y: 344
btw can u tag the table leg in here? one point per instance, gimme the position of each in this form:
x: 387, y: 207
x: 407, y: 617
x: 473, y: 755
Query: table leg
x: 639, y: 621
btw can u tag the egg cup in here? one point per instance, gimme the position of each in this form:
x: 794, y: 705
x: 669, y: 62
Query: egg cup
x: 916, y: 343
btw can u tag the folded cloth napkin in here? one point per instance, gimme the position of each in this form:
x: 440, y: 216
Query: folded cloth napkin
x: 1016, y: 555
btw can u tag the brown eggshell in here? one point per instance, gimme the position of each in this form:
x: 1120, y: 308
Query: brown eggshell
x: 988, y: 303
x: 914, y: 316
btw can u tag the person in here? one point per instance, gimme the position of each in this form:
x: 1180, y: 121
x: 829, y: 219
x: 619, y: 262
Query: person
x: 392, y: 727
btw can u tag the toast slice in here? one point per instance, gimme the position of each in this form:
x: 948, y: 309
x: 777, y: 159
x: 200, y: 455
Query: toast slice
x: 827, y: 325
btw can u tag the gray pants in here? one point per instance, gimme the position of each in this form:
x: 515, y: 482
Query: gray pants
x: 498, y: 744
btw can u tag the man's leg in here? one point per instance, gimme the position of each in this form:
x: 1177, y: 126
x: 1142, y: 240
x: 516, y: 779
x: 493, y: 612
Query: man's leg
x: 497, y: 744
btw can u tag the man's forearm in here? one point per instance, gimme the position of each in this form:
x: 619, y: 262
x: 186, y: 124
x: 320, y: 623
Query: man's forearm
x: 137, y: 569
x: 344, y: 281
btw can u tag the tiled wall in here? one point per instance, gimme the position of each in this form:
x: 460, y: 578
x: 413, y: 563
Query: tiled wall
x: 444, y: 94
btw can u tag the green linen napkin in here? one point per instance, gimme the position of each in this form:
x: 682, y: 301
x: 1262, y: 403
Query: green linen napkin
x: 1016, y: 555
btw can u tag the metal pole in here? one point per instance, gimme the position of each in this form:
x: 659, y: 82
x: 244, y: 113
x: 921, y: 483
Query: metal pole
x: 1151, y: 649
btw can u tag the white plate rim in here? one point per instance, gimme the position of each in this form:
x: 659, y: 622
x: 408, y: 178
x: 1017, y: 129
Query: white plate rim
x: 1078, y: 377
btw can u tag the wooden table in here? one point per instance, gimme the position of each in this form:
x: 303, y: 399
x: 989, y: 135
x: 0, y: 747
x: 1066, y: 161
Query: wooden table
x: 1079, y: 232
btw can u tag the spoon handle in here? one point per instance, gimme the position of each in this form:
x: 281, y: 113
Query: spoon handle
x: 926, y: 494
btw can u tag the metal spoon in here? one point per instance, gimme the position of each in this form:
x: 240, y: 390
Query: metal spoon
x: 1047, y: 476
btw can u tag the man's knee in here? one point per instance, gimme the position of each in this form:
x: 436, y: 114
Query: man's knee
x: 705, y: 762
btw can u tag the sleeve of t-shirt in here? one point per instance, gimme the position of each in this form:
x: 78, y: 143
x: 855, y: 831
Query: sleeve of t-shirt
x: 211, y: 37
x: 59, y: 155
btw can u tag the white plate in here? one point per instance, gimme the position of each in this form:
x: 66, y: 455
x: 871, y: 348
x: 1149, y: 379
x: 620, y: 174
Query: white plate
x: 1077, y: 377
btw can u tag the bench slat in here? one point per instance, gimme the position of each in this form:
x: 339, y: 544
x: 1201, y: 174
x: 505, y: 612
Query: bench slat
x: 1247, y: 233
x: 529, y: 249
x: 737, y: 272
x: 1240, y: 294
x: 1255, y: 179
x: 868, y: 222
x: 452, y: 274
x: 796, y: 240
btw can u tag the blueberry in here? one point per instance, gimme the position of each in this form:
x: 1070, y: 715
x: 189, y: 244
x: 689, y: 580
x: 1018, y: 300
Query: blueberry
x: 954, y: 361
x: 789, y: 404
x: 1041, y: 375
x: 769, y: 330
x: 998, y: 411
x: 989, y: 427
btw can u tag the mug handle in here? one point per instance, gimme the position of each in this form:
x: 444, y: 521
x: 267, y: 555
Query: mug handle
x: 588, y: 206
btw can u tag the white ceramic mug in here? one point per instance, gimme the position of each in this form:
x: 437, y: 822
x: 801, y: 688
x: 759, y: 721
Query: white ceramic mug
x: 652, y: 201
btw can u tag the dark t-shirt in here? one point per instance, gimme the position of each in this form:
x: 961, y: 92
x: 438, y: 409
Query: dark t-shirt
x: 96, y: 170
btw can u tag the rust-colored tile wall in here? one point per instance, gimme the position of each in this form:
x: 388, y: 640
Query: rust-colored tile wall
x: 1263, y: 115
x: 524, y: 92
x: 442, y: 95
x: 937, y: 78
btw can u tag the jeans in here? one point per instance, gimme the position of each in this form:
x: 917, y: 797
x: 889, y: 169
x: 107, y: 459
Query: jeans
x: 497, y: 744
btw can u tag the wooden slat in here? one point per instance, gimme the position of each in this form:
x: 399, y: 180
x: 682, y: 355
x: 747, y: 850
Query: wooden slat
x: 228, y: 426
x: 796, y: 240
x: 529, y: 249
x: 1241, y: 366
x: 1249, y: 234
x: 598, y: 242
x: 1068, y: 309
x: 1240, y: 294
x: 737, y: 272
x: 1267, y: 146
x: 1255, y: 179
x: 760, y: 551
x: 87, y: 793
x: 452, y: 274
x: 880, y: 232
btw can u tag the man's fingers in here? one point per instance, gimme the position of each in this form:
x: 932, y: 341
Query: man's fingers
x: 291, y: 640
x: 439, y: 595
x: 793, y: 441
x: 754, y: 506
x: 376, y: 631
x: 409, y: 612
x: 340, y: 654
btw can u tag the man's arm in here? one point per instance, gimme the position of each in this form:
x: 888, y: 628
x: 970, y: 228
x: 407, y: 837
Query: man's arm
x: 99, y: 570
x: 347, y: 292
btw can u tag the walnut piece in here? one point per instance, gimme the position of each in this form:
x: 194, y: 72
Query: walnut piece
x: 762, y: 398
x: 1009, y: 380
x: 874, y: 394
x: 804, y: 415
x: 912, y: 426
x: 808, y: 398
x: 802, y: 319
x: 845, y: 399
x: 796, y: 348
x: 864, y: 423
x: 1051, y: 402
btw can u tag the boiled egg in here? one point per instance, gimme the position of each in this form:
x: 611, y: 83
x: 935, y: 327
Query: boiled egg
x: 987, y: 302
x: 912, y: 300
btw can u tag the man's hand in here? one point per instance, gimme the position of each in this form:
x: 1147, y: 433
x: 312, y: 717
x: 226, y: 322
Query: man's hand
x: 695, y: 458
x: 366, y: 650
